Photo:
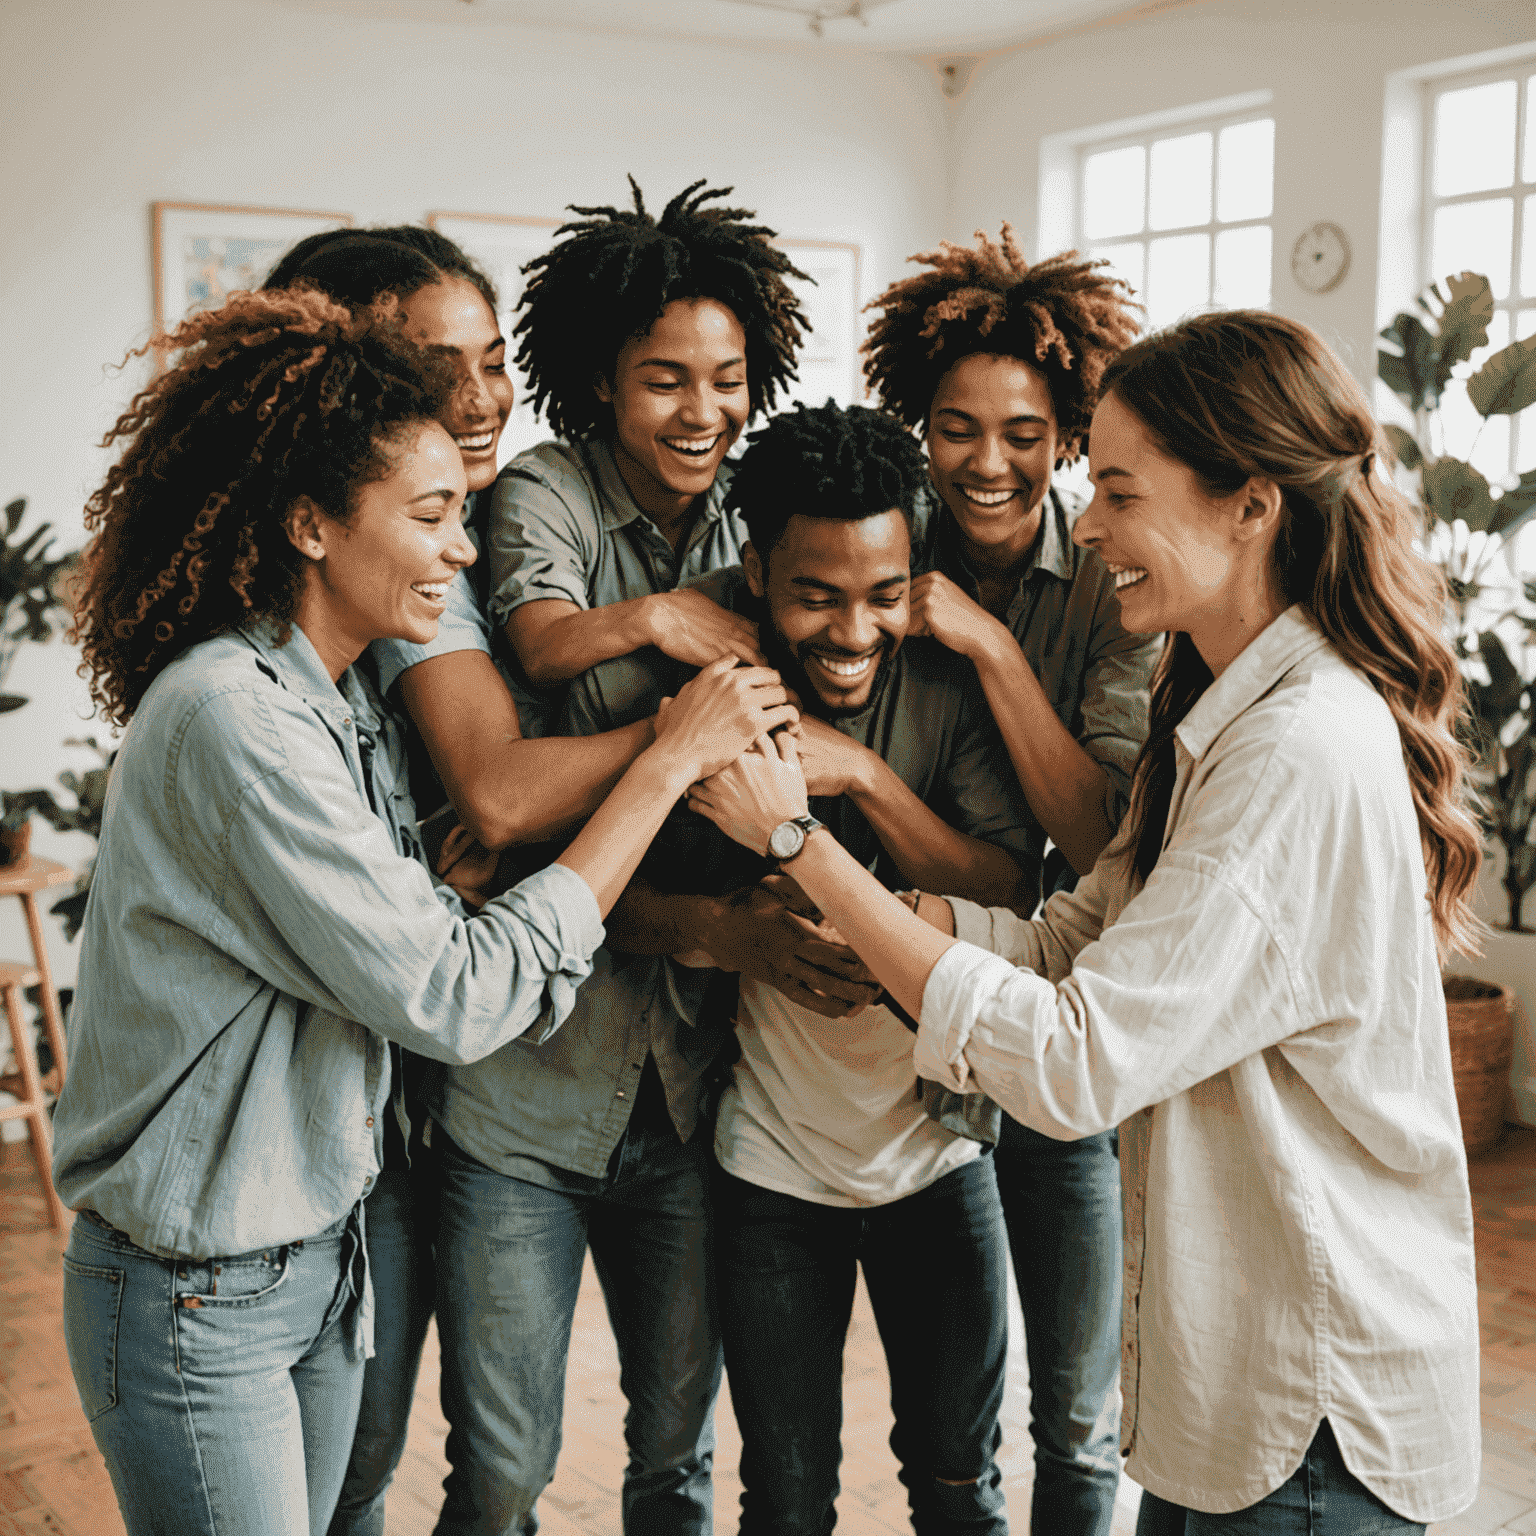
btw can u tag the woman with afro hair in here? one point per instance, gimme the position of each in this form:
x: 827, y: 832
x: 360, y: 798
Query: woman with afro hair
x: 260, y: 923
x: 998, y: 364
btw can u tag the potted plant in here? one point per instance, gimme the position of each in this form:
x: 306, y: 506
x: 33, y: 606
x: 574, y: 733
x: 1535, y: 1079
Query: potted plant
x: 29, y: 589
x: 15, y: 829
x: 1470, y: 524
x: 90, y: 792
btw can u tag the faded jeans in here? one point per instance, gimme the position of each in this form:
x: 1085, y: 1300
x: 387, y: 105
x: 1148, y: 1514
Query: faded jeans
x: 222, y: 1393
x: 509, y: 1261
x: 1062, y: 1204
x: 936, y: 1269
x: 1322, y: 1498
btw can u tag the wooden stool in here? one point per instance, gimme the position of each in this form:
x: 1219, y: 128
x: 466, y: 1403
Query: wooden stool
x: 25, y: 880
x: 31, y: 1107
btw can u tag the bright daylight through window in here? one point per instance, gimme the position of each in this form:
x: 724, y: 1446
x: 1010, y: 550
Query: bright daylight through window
x: 1480, y: 216
x: 1183, y: 214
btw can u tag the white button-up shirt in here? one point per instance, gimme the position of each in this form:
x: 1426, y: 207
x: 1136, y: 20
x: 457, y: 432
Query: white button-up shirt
x: 1264, y: 1021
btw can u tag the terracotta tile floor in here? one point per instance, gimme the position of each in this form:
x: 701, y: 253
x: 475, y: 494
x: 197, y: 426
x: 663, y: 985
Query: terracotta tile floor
x: 51, y: 1479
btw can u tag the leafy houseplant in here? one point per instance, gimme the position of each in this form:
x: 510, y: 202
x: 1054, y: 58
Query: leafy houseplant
x: 90, y: 792
x: 1469, y: 529
x: 29, y: 588
x: 15, y: 829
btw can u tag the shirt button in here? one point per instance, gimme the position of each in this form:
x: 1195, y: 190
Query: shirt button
x: 621, y: 1093
x: 369, y: 1122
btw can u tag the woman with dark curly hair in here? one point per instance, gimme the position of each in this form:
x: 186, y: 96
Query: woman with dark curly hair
x: 258, y: 927
x: 998, y: 363
x: 1248, y: 982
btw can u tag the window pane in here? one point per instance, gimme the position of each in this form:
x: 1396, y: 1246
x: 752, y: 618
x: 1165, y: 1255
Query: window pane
x: 1128, y: 262
x: 1114, y: 192
x: 1242, y: 268
x: 1181, y: 181
x: 1178, y: 277
x: 1474, y: 237
x: 1475, y: 138
x: 1245, y: 171
x: 1523, y: 448
x: 1462, y: 423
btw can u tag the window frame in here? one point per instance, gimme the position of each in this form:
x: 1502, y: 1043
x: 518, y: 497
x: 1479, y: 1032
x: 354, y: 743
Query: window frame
x: 1116, y: 137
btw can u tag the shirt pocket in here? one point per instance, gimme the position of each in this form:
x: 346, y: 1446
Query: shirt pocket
x: 95, y: 1299
x: 1061, y: 678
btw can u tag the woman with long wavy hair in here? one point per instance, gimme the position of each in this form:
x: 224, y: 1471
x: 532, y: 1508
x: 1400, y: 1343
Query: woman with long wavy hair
x: 260, y: 923
x: 1248, y: 982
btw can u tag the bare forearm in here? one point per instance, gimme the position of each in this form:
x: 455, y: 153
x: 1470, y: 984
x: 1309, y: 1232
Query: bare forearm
x: 898, y: 946
x: 930, y: 854
x: 559, y: 649
x: 607, y: 851
x: 1065, y: 788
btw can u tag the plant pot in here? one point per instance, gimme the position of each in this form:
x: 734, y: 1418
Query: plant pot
x: 15, y: 844
x: 1481, y: 1016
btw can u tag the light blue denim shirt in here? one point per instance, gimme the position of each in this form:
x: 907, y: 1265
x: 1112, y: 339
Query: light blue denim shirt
x: 256, y: 929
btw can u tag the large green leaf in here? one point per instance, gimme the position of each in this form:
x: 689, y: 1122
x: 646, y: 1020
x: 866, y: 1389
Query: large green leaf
x: 1405, y: 445
x: 1515, y: 508
x: 1410, y: 371
x: 1466, y: 309
x: 1506, y: 383
x: 1453, y: 489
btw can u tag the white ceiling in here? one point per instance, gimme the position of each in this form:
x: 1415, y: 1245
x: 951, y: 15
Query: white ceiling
x: 887, y: 26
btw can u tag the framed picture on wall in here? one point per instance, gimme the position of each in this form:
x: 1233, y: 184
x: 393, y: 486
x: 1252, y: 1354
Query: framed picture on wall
x: 203, y: 252
x: 502, y: 244
x: 829, y: 358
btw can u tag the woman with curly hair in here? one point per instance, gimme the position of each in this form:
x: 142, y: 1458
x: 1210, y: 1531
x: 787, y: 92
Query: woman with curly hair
x: 999, y: 363
x: 1248, y: 982
x: 258, y: 927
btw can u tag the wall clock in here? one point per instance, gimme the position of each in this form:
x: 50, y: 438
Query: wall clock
x: 1320, y: 257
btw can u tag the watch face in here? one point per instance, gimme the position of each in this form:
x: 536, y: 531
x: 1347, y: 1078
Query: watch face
x: 785, y: 840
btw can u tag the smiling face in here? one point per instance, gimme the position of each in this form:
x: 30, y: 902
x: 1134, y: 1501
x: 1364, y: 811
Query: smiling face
x: 384, y: 573
x: 454, y: 314
x: 1183, y: 560
x: 991, y: 451
x: 679, y: 397
x: 836, y: 594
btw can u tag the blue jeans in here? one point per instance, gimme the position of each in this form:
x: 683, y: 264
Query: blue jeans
x: 509, y: 1258
x: 222, y: 1392
x: 936, y: 1270
x: 1062, y: 1204
x: 402, y: 1212
x: 1322, y: 1498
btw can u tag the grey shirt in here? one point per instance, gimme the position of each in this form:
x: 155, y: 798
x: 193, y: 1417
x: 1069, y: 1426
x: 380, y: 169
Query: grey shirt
x: 256, y: 924
x: 564, y: 525
x: 1066, y: 618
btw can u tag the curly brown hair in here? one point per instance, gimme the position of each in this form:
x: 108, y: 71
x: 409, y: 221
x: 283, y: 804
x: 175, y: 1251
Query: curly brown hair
x: 1062, y: 316
x: 275, y: 395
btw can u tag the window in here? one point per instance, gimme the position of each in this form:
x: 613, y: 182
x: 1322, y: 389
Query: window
x: 1480, y: 216
x: 1183, y: 213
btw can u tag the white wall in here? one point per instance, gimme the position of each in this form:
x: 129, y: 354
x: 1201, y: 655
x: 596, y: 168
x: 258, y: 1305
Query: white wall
x: 112, y: 106
x: 1327, y: 63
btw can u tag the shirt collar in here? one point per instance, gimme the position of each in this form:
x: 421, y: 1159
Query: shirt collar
x: 297, y: 667
x: 1256, y: 669
x: 619, y: 506
x: 1052, y: 550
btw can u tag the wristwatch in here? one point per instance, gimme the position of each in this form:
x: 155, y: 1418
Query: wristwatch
x: 788, y: 838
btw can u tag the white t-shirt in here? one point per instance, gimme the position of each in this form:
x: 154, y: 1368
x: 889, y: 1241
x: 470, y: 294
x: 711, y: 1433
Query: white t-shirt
x: 829, y: 1110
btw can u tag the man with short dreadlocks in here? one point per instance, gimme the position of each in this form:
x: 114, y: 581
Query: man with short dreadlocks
x: 998, y: 363
x: 648, y: 342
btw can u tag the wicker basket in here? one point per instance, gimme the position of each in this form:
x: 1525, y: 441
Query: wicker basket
x: 1481, y: 1015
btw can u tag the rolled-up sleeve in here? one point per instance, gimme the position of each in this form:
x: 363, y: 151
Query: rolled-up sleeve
x: 1186, y: 983
x: 313, y: 897
x: 541, y: 544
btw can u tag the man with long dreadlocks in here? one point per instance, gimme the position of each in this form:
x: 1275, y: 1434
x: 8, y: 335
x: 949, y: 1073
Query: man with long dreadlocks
x: 998, y: 363
x: 648, y: 343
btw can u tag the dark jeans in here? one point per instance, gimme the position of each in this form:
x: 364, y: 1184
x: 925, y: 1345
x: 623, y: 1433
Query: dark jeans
x: 402, y: 1214
x: 936, y: 1272
x: 1322, y: 1498
x: 1062, y: 1204
x: 509, y: 1260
